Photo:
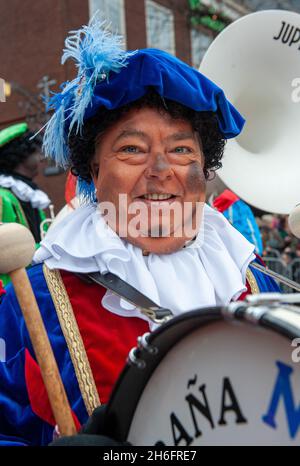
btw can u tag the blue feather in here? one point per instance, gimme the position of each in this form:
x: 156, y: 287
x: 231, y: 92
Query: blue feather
x: 54, y: 142
x: 96, y: 52
x: 85, y: 191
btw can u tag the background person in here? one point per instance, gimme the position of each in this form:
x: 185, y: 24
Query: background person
x: 21, y: 200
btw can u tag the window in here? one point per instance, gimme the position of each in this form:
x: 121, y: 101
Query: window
x: 199, y: 43
x: 160, y: 27
x: 111, y: 10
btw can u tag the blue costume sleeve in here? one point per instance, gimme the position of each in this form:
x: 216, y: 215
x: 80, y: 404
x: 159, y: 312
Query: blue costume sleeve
x: 18, y: 424
x: 265, y: 283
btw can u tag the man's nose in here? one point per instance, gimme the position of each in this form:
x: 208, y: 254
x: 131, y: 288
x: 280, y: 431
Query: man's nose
x: 159, y: 167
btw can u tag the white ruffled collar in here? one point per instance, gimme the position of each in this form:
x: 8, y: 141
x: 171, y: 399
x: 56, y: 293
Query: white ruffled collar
x: 37, y: 198
x: 210, y: 271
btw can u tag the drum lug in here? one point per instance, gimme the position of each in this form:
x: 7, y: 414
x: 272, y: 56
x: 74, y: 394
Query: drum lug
x: 254, y: 313
x: 234, y: 309
x: 241, y: 309
x: 143, y: 343
x: 134, y: 360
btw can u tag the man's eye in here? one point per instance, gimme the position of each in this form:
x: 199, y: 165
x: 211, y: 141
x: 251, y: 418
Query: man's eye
x: 182, y: 150
x: 130, y: 149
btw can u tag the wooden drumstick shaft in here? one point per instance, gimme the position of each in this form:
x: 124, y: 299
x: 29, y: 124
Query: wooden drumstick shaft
x: 44, y: 354
x: 17, y: 247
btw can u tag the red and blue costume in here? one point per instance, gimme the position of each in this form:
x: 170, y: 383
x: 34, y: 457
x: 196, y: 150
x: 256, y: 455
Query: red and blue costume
x: 90, y: 345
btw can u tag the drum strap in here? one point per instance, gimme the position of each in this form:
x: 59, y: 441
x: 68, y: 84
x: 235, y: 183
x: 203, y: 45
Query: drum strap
x: 119, y: 287
x: 148, y: 307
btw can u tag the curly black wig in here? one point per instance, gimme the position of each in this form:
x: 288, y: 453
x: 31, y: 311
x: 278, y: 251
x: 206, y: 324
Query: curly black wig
x: 17, y: 151
x: 82, y: 146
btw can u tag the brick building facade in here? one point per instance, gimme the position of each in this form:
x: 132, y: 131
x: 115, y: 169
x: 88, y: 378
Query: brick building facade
x: 31, y: 40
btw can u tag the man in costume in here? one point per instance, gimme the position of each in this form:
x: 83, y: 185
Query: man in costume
x: 20, y: 199
x: 144, y: 127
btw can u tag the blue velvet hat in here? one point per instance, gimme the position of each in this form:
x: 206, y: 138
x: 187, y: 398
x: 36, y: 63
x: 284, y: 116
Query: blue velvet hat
x: 110, y: 77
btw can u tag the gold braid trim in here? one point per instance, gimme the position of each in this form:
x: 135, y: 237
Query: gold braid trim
x: 252, y: 282
x: 22, y: 217
x: 73, y: 339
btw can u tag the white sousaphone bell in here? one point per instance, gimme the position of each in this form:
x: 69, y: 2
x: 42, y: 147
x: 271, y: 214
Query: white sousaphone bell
x: 256, y: 61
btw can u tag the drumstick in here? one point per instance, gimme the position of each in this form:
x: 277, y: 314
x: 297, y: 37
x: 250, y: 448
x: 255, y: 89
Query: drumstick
x: 17, y: 247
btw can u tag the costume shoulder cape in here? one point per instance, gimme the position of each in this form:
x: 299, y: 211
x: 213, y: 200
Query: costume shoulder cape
x: 90, y: 344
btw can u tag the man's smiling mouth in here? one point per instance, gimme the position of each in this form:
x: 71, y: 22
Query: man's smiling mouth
x: 157, y: 199
x: 157, y: 196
